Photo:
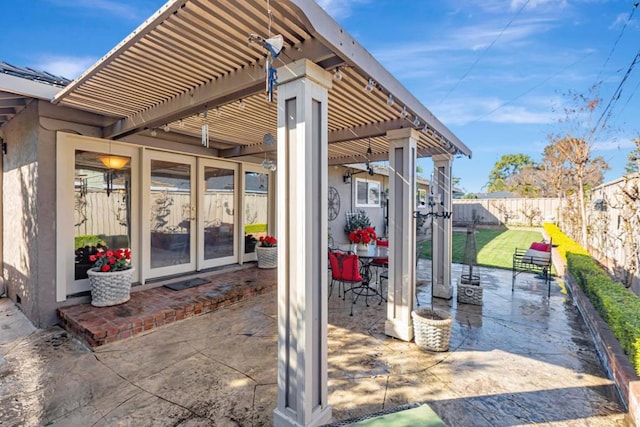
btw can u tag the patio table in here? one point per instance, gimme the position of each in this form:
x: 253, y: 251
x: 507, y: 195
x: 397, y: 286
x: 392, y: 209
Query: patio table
x: 366, y: 258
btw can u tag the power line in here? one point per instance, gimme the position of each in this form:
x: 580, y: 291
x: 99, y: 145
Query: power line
x: 614, y: 98
x: 484, y: 52
x: 615, y: 44
x: 531, y: 89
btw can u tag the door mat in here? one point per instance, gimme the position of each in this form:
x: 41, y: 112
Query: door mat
x: 186, y: 284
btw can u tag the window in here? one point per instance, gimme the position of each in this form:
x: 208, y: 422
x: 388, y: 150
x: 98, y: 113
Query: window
x: 367, y: 193
x: 422, y: 197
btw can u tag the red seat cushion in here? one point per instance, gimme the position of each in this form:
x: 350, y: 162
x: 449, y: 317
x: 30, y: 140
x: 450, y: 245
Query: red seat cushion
x: 381, y: 242
x: 539, y: 246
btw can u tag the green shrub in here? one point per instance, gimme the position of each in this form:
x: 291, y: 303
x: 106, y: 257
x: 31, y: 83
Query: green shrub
x: 354, y: 222
x: 617, y: 305
x: 564, y: 242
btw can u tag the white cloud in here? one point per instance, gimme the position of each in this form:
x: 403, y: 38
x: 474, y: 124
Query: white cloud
x: 614, y: 144
x: 339, y: 9
x: 468, y: 110
x: 65, y: 66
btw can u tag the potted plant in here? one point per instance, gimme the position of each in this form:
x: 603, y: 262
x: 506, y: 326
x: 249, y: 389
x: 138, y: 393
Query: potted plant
x: 110, y: 277
x: 357, y: 220
x: 267, y: 252
x: 362, y: 237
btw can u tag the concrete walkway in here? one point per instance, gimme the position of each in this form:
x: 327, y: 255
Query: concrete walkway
x: 520, y: 359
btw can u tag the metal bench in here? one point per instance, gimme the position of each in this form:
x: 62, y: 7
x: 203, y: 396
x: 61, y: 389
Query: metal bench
x: 535, y: 259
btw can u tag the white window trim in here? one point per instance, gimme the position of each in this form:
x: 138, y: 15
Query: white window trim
x: 369, y: 183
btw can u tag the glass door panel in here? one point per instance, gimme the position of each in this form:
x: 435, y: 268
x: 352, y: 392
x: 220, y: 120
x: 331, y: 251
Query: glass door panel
x: 102, y: 206
x: 172, y: 215
x: 218, y: 209
x: 256, y: 210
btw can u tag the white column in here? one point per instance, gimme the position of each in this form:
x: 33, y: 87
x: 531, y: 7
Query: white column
x: 402, y: 233
x: 442, y: 229
x: 302, y: 245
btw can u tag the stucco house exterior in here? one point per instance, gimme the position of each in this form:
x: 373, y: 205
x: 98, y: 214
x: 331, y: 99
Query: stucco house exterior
x: 167, y: 144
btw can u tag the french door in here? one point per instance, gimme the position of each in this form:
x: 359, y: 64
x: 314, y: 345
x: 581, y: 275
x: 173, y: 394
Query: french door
x: 218, y: 219
x: 169, y: 213
x: 192, y: 212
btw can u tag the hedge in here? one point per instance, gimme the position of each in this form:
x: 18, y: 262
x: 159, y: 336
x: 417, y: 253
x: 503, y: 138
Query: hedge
x: 618, y: 306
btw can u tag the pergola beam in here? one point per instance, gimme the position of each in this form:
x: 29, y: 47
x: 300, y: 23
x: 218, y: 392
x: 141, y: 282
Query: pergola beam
x: 370, y: 130
x: 236, y: 85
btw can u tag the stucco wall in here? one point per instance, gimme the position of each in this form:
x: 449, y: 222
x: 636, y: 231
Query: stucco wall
x: 347, y: 204
x: 20, y: 219
x: 29, y: 201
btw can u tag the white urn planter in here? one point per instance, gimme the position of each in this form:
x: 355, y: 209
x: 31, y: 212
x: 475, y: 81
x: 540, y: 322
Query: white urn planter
x: 267, y: 256
x: 110, y: 288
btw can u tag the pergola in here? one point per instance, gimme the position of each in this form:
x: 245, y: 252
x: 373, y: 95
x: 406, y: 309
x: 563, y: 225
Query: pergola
x: 192, y: 64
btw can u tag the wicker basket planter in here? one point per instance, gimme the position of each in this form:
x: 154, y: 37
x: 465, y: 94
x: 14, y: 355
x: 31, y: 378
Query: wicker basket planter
x: 432, y: 329
x: 469, y: 293
x: 110, y: 288
x: 267, y: 256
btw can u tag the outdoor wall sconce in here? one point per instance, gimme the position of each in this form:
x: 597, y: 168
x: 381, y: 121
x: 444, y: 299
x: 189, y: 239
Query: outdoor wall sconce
x: 346, y: 178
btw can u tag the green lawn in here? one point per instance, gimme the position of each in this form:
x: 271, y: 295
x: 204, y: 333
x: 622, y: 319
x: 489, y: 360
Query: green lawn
x: 495, y: 247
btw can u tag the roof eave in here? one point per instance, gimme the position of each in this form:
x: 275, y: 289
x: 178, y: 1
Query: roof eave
x: 326, y: 29
x: 27, y: 88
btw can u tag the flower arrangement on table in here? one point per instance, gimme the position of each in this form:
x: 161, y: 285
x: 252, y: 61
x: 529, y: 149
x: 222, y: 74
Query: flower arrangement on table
x: 268, y: 241
x: 111, y: 260
x: 363, y: 235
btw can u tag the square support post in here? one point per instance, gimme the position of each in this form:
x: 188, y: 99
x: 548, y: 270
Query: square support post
x: 442, y: 229
x: 402, y: 233
x: 302, y: 245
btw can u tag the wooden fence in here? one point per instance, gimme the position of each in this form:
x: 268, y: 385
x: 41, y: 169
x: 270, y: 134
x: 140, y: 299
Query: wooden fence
x: 512, y: 211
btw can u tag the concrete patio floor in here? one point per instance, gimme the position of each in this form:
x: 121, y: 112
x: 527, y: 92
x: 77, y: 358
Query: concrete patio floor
x: 519, y: 359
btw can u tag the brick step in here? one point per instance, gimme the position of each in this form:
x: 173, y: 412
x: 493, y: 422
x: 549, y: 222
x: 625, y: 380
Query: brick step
x: 156, y: 307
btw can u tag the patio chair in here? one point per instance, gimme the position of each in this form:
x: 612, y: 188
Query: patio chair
x: 345, y: 269
x: 380, y: 264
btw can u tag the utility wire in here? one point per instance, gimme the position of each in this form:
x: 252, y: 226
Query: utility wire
x: 615, y: 44
x: 630, y: 96
x: 531, y: 89
x: 608, y: 110
x: 455, y: 86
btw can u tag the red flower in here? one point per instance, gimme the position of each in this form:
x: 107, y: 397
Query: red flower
x: 107, y: 260
x: 268, y: 241
x: 363, y: 235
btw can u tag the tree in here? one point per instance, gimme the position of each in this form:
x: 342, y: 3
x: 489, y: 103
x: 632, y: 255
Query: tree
x: 633, y: 158
x: 508, y: 166
x: 572, y: 149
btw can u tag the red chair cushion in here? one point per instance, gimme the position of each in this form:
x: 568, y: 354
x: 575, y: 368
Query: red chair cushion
x: 380, y: 242
x: 345, y: 267
x: 539, y: 246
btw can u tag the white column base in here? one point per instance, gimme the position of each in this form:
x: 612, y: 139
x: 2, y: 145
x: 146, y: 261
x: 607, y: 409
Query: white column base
x: 399, y: 329
x: 443, y: 291
x: 319, y: 418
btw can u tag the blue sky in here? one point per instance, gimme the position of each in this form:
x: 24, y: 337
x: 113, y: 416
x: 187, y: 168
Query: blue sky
x: 493, y: 71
